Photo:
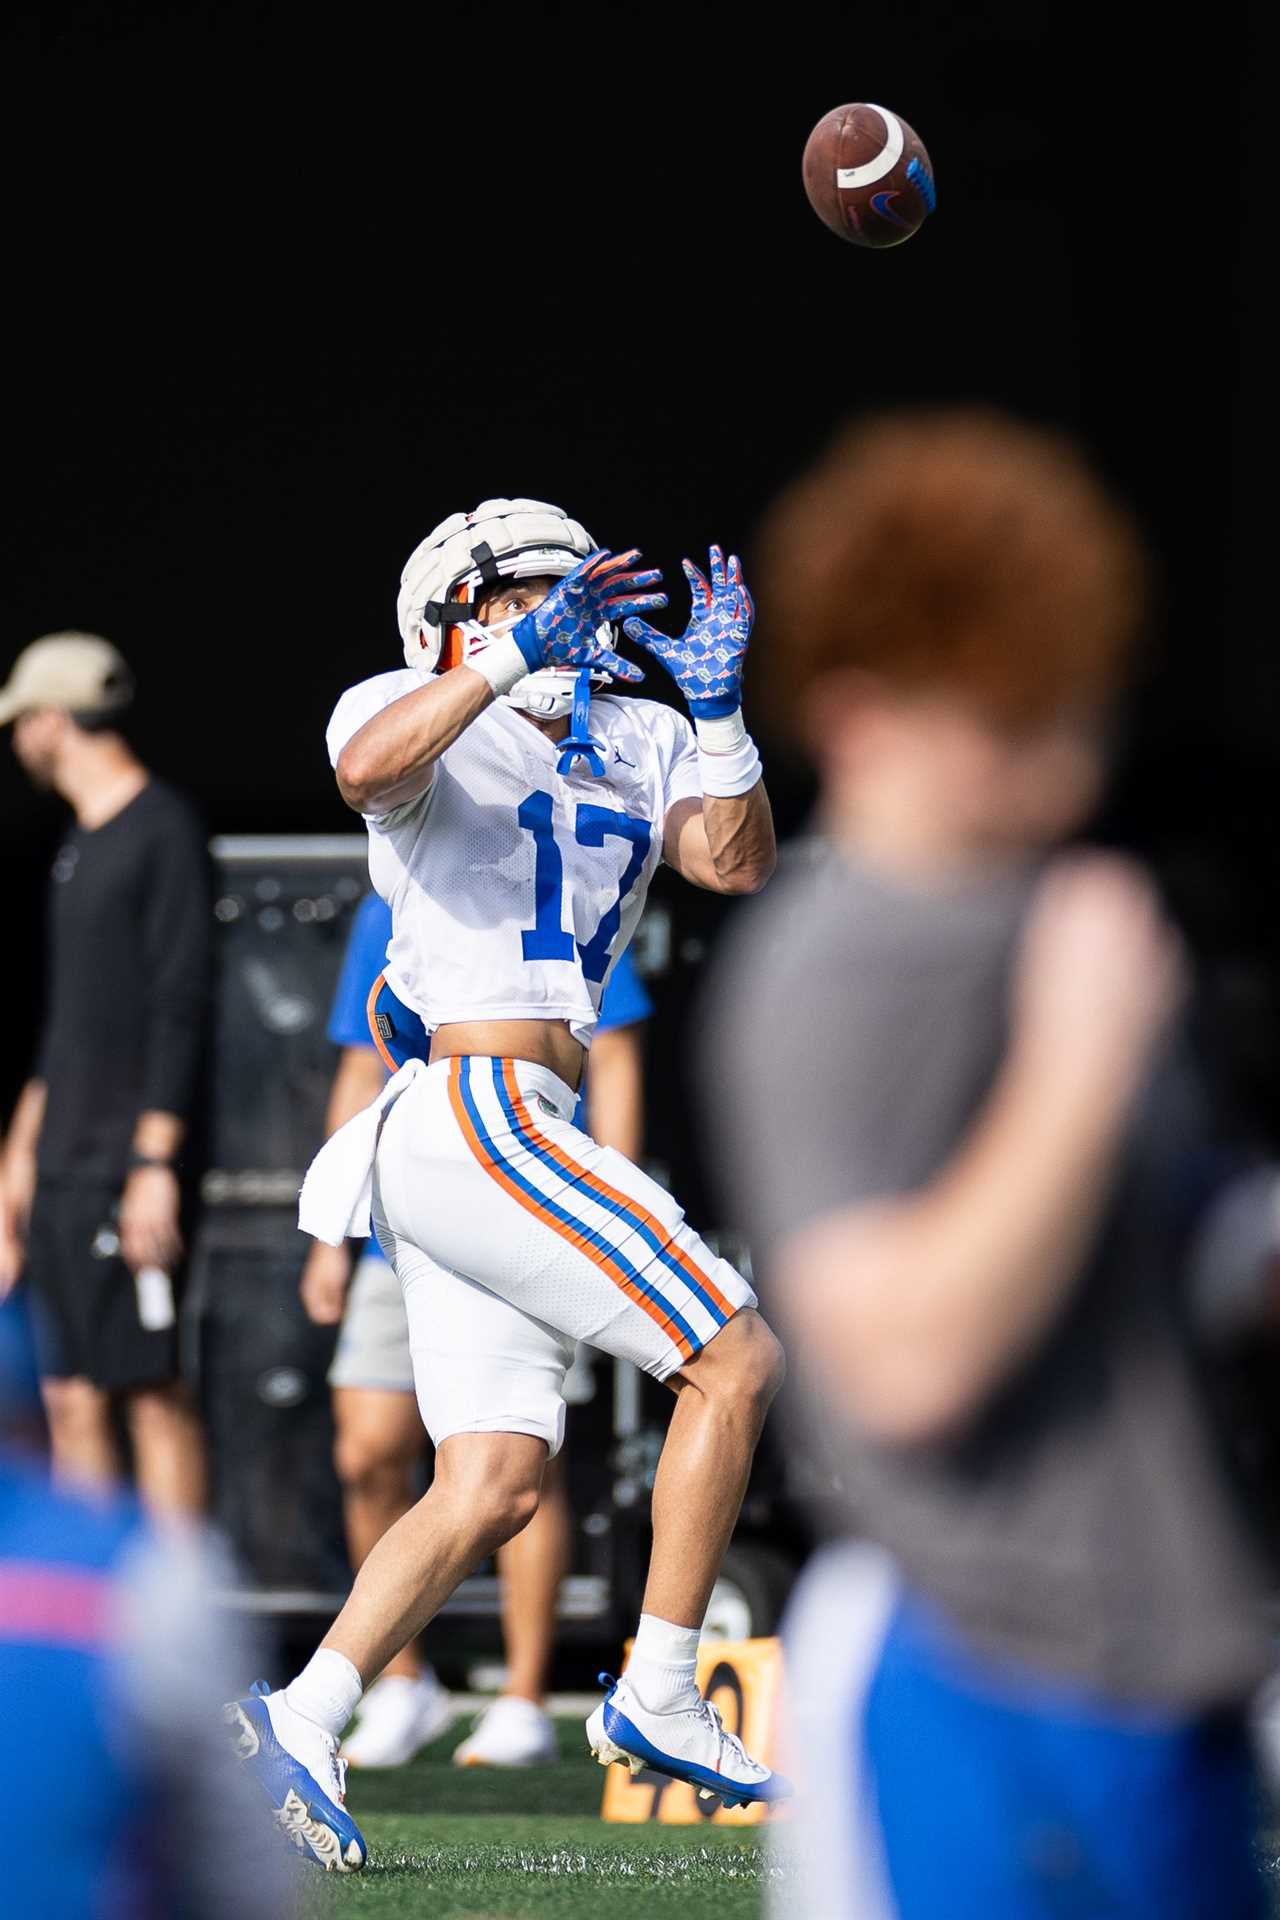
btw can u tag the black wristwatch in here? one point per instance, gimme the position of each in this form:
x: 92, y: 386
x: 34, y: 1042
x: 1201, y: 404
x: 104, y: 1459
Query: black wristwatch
x: 137, y: 1159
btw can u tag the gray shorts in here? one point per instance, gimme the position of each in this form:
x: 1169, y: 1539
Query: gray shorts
x: 373, y: 1346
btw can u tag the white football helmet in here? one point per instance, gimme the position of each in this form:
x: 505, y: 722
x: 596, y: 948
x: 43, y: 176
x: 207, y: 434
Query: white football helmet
x: 465, y: 556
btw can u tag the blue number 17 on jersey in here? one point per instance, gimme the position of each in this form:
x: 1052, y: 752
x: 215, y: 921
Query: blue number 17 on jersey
x: 547, y: 939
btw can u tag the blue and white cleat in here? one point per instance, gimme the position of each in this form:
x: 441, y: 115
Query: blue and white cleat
x: 296, y: 1763
x: 690, y: 1745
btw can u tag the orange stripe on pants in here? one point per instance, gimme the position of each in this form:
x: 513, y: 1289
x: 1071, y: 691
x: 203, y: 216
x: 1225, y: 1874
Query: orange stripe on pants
x: 575, y: 1238
x: 583, y: 1177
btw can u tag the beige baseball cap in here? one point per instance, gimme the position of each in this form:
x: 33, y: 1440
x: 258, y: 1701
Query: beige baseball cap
x: 78, y: 672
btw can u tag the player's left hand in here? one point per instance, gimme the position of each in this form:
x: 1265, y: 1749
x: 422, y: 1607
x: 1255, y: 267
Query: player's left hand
x: 706, y: 661
x: 150, y: 1235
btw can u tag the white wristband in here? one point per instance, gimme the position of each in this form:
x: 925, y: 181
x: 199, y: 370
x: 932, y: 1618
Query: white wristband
x: 723, y: 734
x: 501, y: 664
x: 728, y: 761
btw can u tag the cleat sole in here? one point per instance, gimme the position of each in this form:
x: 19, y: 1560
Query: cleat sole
x: 607, y: 1755
x: 312, y: 1837
x: 315, y: 1837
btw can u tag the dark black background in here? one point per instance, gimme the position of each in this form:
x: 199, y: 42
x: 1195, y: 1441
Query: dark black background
x: 282, y: 293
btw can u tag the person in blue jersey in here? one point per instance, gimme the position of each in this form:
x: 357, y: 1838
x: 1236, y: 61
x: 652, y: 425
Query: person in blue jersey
x: 379, y: 1434
x: 120, y: 1797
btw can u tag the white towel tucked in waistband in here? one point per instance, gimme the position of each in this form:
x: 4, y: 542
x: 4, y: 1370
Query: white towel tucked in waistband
x: 338, y: 1188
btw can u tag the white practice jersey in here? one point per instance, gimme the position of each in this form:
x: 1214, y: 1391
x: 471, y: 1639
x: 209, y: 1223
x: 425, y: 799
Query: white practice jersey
x: 512, y: 887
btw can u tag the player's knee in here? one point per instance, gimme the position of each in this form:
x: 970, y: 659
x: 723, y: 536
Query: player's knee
x: 517, y: 1509
x: 766, y: 1364
x: 749, y: 1364
x: 496, y: 1487
x: 502, y: 1510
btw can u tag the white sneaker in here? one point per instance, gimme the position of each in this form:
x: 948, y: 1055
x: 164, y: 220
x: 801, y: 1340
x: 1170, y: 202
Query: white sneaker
x: 690, y: 1745
x: 297, y: 1765
x: 511, y: 1733
x: 398, y: 1716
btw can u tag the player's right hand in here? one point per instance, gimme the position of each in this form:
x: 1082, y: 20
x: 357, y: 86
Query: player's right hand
x: 562, y: 632
x: 323, y: 1286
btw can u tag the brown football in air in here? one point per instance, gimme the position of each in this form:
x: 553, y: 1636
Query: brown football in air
x: 867, y: 175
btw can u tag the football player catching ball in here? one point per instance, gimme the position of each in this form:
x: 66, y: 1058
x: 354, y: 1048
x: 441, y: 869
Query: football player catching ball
x: 516, y: 813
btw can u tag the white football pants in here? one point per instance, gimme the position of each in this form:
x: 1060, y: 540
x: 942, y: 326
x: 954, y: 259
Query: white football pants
x: 514, y: 1235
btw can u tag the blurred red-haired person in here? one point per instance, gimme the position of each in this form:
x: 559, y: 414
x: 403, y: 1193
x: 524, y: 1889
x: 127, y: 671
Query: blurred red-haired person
x: 963, y: 1133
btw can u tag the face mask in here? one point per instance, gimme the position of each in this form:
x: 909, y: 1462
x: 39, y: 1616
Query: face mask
x: 495, y: 630
x: 548, y: 693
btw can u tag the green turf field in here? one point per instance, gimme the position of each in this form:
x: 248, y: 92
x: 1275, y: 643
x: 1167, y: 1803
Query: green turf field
x: 446, y: 1841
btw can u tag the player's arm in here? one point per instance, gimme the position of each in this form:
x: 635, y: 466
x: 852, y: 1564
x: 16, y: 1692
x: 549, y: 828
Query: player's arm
x: 723, y: 839
x: 912, y: 1310
x: 326, y: 1274
x: 725, y: 845
x: 388, y: 761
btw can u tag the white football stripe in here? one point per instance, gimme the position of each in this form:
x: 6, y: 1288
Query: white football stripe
x: 885, y: 161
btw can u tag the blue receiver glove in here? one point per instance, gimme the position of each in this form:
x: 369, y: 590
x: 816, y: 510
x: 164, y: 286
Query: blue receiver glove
x: 562, y: 631
x: 706, y: 661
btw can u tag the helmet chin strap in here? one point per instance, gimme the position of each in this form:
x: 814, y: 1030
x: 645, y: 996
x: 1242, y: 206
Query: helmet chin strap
x: 578, y: 745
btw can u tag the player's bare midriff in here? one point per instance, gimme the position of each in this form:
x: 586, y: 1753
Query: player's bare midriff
x: 547, y: 1043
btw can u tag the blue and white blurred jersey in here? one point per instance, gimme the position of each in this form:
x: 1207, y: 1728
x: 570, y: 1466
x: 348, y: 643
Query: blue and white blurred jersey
x: 121, y: 1798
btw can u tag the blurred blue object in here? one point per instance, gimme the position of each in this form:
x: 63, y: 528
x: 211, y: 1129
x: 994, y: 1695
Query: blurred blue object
x: 120, y: 1790
x: 1118, y: 1810
x: 19, y: 1382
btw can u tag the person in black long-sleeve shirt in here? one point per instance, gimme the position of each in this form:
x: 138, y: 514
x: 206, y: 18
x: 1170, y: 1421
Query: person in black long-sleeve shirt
x: 94, y: 1181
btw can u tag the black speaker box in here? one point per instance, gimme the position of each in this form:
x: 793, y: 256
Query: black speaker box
x: 265, y: 1401
x: 284, y: 907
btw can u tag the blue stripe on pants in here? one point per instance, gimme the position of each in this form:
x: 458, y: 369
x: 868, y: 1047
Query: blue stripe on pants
x: 556, y: 1212
x: 628, y: 1215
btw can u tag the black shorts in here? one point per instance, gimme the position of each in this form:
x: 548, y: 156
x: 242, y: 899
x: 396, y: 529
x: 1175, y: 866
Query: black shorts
x: 85, y: 1309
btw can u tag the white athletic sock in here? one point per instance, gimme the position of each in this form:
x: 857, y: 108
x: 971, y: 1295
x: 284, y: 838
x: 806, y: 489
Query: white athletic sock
x: 663, y: 1660
x: 327, y: 1690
